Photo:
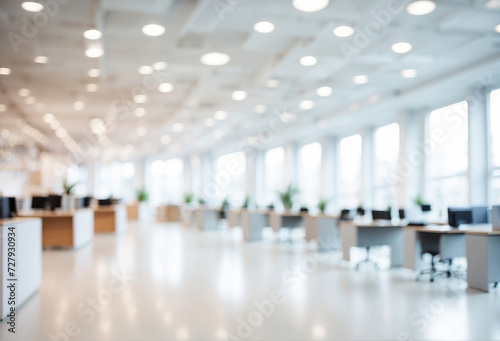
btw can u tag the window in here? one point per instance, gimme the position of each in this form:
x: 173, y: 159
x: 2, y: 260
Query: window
x: 230, y: 179
x: 495, y: 144
x: 386, y: 165
x: 350, y: 171
x: 310, y: 173
x: 115, y: 179
x: 446, y: 163
x: 274, y: 170
x: 167, y: 184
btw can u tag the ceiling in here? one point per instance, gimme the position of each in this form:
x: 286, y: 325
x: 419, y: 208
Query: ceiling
x: 454, y: 48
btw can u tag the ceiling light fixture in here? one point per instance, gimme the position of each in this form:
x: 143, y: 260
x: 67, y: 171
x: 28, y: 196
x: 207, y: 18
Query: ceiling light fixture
x: 497, y: 28
x: 92, y: 34
x: 215, y: 59
x: 264, y: 27
x: 308, y: 60
x: 360, y: 79
x: 310, y: 5
x: 220, y: 115
x: 272, y: 83
x: 61, y: 133
x: 92, y: 87
x: 239, y: 95
x: 165, y: 139
x: 177, y: 127
x: 324, y: 91
x: 160, y: 66
x: 140, y: 112
x: 260, y: 108
x: 32, y: 6
x: 93, y: 73
x: 94, y: 52
x: 153, y: 30
x: 5, y: 71
x: 24, y: 92
x: 402, y: 47
x: 141, y: 131
x: 409, y: 73
x: 343, y: 31
x: 421, y: 7
x: 55, y: 124
x: 41, y: 59
x: 140, y: 98
x: 306, y: 105
x: 145, y: 70
x: 48, y: 118
x: 78, y: 105
x: 492, y: 4
x: 209, y: 122
x: 165, y: 87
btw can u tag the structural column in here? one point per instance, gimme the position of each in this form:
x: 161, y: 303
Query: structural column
x: 367, y: 167
x: 290, y: 175
x: 187, y: 174
x: 328, y: 188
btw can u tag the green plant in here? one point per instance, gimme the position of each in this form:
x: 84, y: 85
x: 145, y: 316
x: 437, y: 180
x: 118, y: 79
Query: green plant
x: 142, y: 195
x: 288, y: 195
x: 419, y: 200
x: 69, y: 188
x: 322, y: 204
x: 389, y: 207
x: 188, y: 198
x: 202, y: 201
x: 225, y: 203
x: 246, y: 203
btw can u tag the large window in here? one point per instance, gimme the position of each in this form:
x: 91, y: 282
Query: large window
x: 167, y: 184
x: 350, y: 171
x: 447, y: 157
x: 310, y: 173
x: 115, y: 179
x: 386, y: 166
x: 495, y: 144
x: 230, y: 178
x: 274, y: 170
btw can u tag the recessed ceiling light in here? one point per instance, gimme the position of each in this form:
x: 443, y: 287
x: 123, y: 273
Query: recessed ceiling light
x: 93, y: 73
x: 308, y: 60
x: 160, y: 65
x: 239, y: 95
x: 94, y: 52
x: 78, y: 105
x: 421, y: 7
x: 153, y: 30
x: 402, y: 47
x: 220, y: 115
x: 324, y: 91
x: 55, y: 124
x: 409, y: 73
x: 140, y: 98
x: 165, y: 139
x: 3, y: 107
x: 41, y: 59
x: 61, y: 132
x: 492, y: 4
x: 306, y: 105
x: 24, y: 92
x: 343, y: 31
x: 48, y: 118
x: 177, y: 127
x: 360, y: 79
x: 272, y: 83
x: 5, y: 71
x: 497, y: 28
x: 264, y: 27
x: 92, y: 34
x: 260, y: 108
x: 32, y: 6
x: 165, y: 87
x: 209, y: 122
x: 30, y: 100
x: 145, y: 70
x: 215, y: 59
x: 141, y: 131
x: 310, y: 5
x: 140, y: 112
x: 92, y: 87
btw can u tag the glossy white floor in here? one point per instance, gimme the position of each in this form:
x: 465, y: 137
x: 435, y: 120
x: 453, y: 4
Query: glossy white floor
x: 163, y: 282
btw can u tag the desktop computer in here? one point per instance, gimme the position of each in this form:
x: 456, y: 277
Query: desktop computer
x: 12, y: 207
x: 459, y: 216
x: 38, y: 203
x: 381, y: 215
x: 54, y: 201
x: 4, y: 208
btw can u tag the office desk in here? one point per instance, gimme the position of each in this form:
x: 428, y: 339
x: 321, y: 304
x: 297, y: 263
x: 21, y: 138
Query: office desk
x: 252, y: 223
x: 363, y: 234
x: 138, y: 211
x: 64, y: 228
x: 28, y: 256
x: 187, y: 215
x: 110, y: 219
x: 324, y: 229
x: 168, y: 213
x: 234, y: 217
x: 207, y: 219
x: 483, y: 258
x: 286, y: 219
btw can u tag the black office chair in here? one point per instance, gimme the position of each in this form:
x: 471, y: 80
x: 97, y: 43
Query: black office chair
x: 430, y: 243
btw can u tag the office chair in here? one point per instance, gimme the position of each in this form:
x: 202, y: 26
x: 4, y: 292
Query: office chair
x: 367, y: 260
x: 430, y: 243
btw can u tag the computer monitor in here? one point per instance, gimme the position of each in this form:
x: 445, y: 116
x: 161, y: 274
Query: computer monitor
x: 38, y: 203
x: 480, y: 215
x: 12, y: 207
x: 345, y: 214
x: 105, y: 202
x: 87, y: 201
x: 459, y: 216
x: 304, y: 209
x: 425, y: 208
x: 402, y: 214
x: 4, y: 208
x: 54, y: 201
x: 381, y: 215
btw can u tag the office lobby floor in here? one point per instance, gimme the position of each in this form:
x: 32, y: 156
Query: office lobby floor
x: 165, y: 282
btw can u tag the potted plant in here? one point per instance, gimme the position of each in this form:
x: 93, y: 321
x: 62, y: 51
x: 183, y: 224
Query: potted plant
x: 287, y: 197
x: 224, y: 207
x: 322, y: 205
x: 188, y: 198
x: 419, y: 201
x: 246, y: 203
x: 142, y: 196
x: 202, y: 201
x: 68, y: 198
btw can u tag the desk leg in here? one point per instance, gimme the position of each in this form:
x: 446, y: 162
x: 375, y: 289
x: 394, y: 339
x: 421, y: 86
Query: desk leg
x: 412, y: 249
x: 477, y: 262
x: 349, y: 236
x: 397, y: 246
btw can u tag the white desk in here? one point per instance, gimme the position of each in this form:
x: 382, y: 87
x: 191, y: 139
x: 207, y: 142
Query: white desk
x: 252, y: 223
x: 324, y: 230
x: 362, y: 234
x: 234, y: 217
x: 483, y: 258
x: 110, y: 219
x: 28, y: 258
x: 187, y: 215
x: 207, y: 219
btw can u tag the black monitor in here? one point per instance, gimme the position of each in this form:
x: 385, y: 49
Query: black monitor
x: 459, y: 216
x: 38, y: 203
x: 304, y: 209
x: 402, y: 214
x: 345, y: 214
x: 4, y: 208
x: 12, y: 207
x: 425, y: 208
x: 54, y: 201
x: 381, y: 215
x: 105, y: 202
x: 87, y: 201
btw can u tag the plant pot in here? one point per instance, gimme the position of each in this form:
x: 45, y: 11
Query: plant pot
x: 67, y: 202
